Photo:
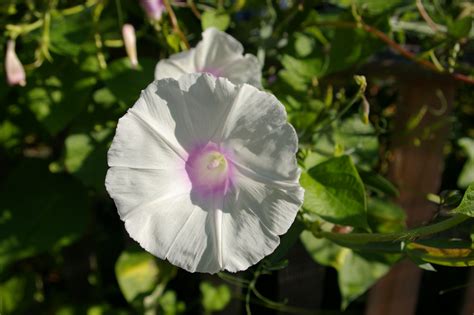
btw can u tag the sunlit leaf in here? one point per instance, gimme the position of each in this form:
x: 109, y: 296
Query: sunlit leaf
x: 213, y: 18
x: 214, y: 298
x: 467, y: 203
x: 335, y: 192
x: 138, y: 273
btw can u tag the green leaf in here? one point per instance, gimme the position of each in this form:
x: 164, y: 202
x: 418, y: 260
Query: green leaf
x: 378, y: 183
x: 304, y: 44
x: 68, y: 34
x: 78, y: 147
x: 467, y: 203
x: 139, y: 272
x: 214, y: 298
x: 214, y: 18
x: 170, y: 305
x: 460, y: 28
x: 86, y: 157
x: 16, y: 293
x: 356, y: 139
x: 467, y: 174
x: 307, y: 68
x: 57, y: 99
x: 322, y: 250
x: 385, y: 216
x: 357, y: 272
x: 361, y: 43
x: 372, y: 7
x: 39, y: 211
x: 335, y: 192
x: 126, y: 83
x: 9, y: 134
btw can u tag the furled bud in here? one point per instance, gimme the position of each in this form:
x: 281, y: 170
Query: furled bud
x: 13, y: 67
x: 153, y: 8
x: 130, y: 41
x: 342, y: 229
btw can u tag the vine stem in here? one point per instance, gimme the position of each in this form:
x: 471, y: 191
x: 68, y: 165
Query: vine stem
x: 394, y: 45
x: 194, y: 9
x: 174, y: 22
x: 363, y: 238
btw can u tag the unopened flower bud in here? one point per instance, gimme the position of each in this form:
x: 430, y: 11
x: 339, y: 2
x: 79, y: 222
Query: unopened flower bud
x: 13, y: 67
x: 365, y: 110
x: 153, y: 8
x: 130, y: 41
x: 342, y: 229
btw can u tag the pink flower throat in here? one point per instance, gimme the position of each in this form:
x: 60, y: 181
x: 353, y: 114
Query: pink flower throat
x: 210, y: 170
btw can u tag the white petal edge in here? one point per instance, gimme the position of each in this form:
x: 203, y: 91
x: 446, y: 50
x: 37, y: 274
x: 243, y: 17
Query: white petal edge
x: 176, y: 65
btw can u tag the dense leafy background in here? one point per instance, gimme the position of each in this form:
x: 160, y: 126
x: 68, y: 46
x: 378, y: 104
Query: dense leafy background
x: 63, y: 249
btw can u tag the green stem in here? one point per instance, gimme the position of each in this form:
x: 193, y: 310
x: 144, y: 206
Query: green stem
x: 364, y: 238
x: 360, y: 94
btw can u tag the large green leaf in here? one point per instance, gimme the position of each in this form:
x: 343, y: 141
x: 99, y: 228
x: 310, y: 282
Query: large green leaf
x: 335, y: 192
x: 39, y: 211
x: 467, y: 203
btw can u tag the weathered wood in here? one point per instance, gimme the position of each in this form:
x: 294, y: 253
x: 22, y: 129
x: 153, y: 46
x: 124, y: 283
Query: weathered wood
x: 416, y: 166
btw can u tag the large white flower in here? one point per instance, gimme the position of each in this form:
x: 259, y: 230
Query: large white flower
x: 218, y: 54
x: 203, y: 172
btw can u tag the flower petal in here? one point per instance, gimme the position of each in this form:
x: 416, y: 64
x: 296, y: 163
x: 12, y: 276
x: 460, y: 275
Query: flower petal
x: 176, y: 65
x: 138, y: 145
x: 261, y: 139
x: 245, y: 240
x: 276, y: 203
x: 245, y: 70
x: 176, y: 229
x: 197, y: 103
x: 221, y: 54
x: 131, y: 188
x: 216, y: 49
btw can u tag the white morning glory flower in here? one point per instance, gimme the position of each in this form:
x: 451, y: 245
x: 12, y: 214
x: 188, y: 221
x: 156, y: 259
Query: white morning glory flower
x: 203, y: 172
x: 218, y: 54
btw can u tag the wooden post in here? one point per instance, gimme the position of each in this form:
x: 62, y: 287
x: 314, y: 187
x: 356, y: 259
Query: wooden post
x: 416, y: 166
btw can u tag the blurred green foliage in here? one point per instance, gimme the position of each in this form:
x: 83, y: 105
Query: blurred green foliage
x: 63, y: 249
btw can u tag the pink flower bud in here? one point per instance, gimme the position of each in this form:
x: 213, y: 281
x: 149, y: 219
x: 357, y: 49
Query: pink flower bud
x: 130, y: 41
x: 13, y: 67
x: 153, y: 8
x: 342, y: 229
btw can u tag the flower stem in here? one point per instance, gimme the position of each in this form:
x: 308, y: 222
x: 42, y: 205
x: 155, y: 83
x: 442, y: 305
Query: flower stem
x: 174, y: 22
x: 364, y: 238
